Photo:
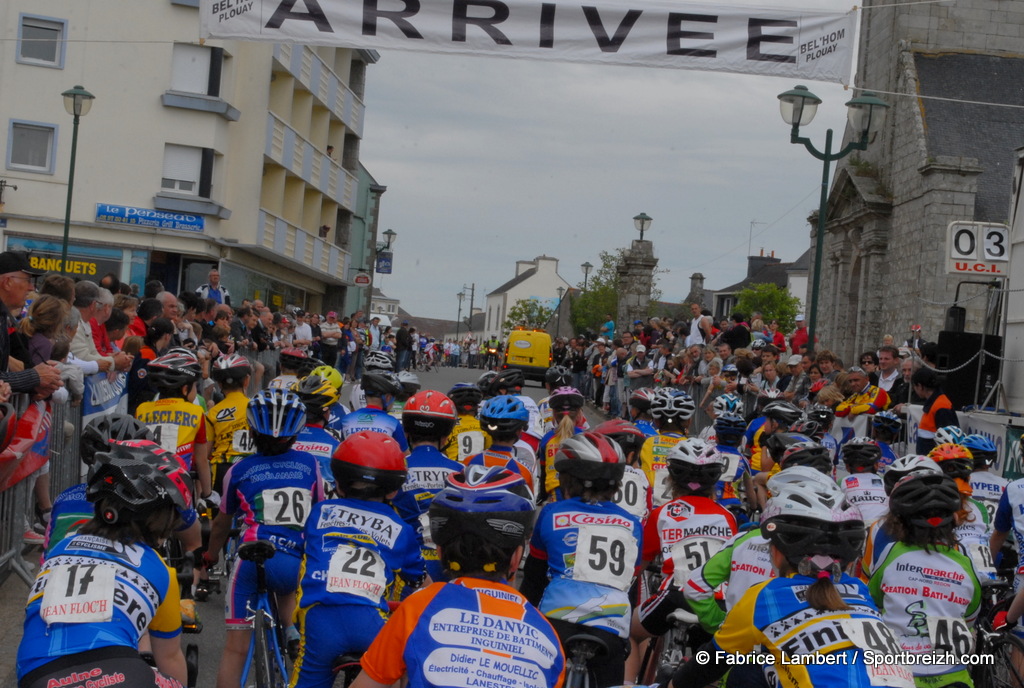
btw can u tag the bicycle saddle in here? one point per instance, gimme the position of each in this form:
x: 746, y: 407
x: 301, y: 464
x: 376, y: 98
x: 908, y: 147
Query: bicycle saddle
x: 257, y: 551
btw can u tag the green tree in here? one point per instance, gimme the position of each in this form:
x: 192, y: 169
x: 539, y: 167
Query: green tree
x: 601, y: 297
x: 771, y: 301
x: 527, y: 313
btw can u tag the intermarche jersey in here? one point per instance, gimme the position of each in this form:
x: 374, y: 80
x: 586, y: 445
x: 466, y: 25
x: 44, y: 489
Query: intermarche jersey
x: 374, y: 420
x: 743, y: 562
x: 229, y: 430
x: 274, y: 495
x: 929, y: 598
x: 775, y: 615
x: 93, y: 593
x: 468, y: 632
x: 176, y: 425
x: 652, y: 461
x: 355, y: 551
x: 866, y: 491
x: 592, y: 551
x: 687, y: 532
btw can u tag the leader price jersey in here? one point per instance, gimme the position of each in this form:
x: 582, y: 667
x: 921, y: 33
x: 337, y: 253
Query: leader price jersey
x: 274, y: 495
x: 93, y: 593
x: 468, y: 632
x: 592, y: 551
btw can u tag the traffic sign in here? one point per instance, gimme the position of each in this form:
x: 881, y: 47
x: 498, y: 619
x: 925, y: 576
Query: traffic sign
x: 362, y: 280
x: 978, y: 248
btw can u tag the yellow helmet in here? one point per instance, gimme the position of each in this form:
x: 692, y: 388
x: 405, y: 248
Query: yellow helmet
x: 331, y: 374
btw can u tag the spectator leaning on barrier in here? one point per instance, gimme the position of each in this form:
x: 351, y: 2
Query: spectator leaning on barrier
x: 82, y: 346
x: 16, y: 281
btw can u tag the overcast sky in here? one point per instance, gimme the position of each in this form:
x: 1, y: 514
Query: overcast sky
x: 488, y: 161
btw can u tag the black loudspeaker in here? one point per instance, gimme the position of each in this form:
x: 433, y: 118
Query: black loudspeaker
x: 956, y: 317
x: 955, y: 348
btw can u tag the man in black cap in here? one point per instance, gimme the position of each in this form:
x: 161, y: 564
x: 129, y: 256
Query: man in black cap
x: 17, y: 279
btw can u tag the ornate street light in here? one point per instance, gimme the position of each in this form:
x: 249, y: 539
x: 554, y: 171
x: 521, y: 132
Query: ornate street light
x: 642, y: 222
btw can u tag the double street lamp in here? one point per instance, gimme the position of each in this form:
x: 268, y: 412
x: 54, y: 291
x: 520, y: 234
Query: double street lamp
x: 378, y: 248
x: 77, y: 102
x: 866, y: 114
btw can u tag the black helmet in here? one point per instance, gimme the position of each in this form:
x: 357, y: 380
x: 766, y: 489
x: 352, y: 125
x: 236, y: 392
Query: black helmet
x: 782, y: 412
x: 778, y: 442
x: 510, y: 379
x: 293, y: 359
x: 808, y: 453
x: 316, y: 394
x: 860, y: 454
x: 135, y: 477
x: 558, y: 376
x: 380, y: 383
x: 466, y: 397
x: 98, y: 434
x: 174, y: 370
x: 484, y: 382
x: 925, y: 499
x: 729, y: 429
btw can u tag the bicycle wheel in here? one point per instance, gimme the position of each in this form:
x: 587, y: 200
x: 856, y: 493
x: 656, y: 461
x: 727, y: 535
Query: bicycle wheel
x: 1007, y: 669
x: 261, y: 674
x: 192, y: 664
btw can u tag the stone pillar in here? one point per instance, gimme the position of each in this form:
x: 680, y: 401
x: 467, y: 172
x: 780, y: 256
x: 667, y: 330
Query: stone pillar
x: 636, y: 275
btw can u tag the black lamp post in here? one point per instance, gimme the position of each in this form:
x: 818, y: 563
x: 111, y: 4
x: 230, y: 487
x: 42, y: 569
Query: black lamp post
x: 77, y: 102
x: 586, y: 267
x: 642, y: 222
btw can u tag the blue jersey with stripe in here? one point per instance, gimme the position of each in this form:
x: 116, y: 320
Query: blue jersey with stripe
x: 374, y: 420
x: 321, y: 443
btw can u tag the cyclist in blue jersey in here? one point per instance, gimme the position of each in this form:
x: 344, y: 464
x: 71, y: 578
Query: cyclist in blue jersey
x: 475, y: 627
x: 886, y: 427
x: 728, y: 429
x: 317, y: 396
x: 987, y: 486
x: 640, y: 410
x: 428, y: 421
x: 101, y: 589
x: 380, y: 388
x: 584, y: 552
x: 357, y: 554
x: 273, y: 491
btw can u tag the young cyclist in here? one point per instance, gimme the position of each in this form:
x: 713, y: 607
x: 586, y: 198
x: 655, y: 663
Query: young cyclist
x: 511, y: 381
x: 467, y: 438
x: 336, y: 411
x: 886, y: 427
x: 726, y: 403
x: 228, y: 428
x: 987, y: 487
x: 480, y: 523
x: 379, y: 389
x: 634, y: 493
x: 584, y: 552
x: 410, y: 385
x: 100, y: 590
x: 504, y: 418
x: 864, y: 488
x: 373, y: 362
x: 671, y: 410
x: 556, y: 376
x: 925, y: 586
x: 566, y: 405
x: 777, y: 416
x: 640, y: 410
x: 273, y: 490
x: 356, y: 553
x: 973, y: 526
x: 727, y: 436
x: 811, y: 608
x: 317, y: 396
x: 293, y: 362
x: 428, y: 421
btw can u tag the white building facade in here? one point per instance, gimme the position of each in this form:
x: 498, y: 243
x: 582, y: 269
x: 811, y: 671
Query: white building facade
x: 534, y: 279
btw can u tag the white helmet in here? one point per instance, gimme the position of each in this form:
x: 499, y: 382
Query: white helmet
x: 672, y: 403
x: 906, y: 465
x: 950, y: 434
x: 378, y: 360
x: 727, y: 403
x: 696, y: 452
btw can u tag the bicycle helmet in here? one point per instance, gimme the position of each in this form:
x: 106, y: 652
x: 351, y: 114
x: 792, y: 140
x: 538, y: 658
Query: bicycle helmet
x: 591, y: 457
x: 331, y: 374
x: 727, y: 403
x: 806, y: 426
x: 777, y: 443
x: 628, y: 436
x: 821, y: 414
x: 466, y: 397
x: 503, y: 415
x: 174, y: 370
x: 672, y: 404
x: 558, y: 376
x: 982, y: 449
x: 378, y: 360
x: 905, y: 465
x: 231, y: 369
x: 812, y: 526
x: 488, y: 502
x: 955, y: 460
x: 861, y: 454
x: 729, y: 429
x: 695, y: 464
x: 641, y: 399
x: 565, y: 399
x: 136, y: 477
x: 758, y: 344
x: 782, y: 412
x: 768, y: 395
x: 510, y: 380
x: 410, y: 383
x: 100, y: 432
x: 316, y: 394
x: 808, y: 453
x: 307, y: 367
x: 293, y: 359
x: 429, y: 414
x: 949, y: 434
x: 276, y: 413
x: 484, y: 382
x: 369, y: 457
x: 380, y: 383
x: 888, y: 421
x: 926, y: 500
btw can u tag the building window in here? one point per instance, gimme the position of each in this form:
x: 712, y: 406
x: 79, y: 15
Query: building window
x: 41, y: 41
x: 31, y: 146
x: 196, y: 69
x: 187, y: 170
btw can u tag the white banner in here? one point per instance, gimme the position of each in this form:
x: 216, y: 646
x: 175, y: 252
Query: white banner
x: 800, y: 44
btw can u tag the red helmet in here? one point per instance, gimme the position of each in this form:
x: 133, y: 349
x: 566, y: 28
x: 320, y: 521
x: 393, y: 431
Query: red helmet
x: 628, y: 436
x: 429, y: 414
x: 590, y: 456
x: 369, y: 457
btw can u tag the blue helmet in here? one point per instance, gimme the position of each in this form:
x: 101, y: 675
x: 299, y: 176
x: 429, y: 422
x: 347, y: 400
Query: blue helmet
x: 887, y: 420
x: 729, y: 429
x: 489, y: 502
x: 950, y: 434
x: 504, y: 414
x: 982, y: 449
x: 276, y: 413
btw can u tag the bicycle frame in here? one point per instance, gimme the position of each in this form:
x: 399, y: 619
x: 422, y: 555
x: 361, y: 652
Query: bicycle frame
x: 264, y: 608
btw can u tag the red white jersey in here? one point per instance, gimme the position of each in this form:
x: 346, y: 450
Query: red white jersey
x: 686, y: 532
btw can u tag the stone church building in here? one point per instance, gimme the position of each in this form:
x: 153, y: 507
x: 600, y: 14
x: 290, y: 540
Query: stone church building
x: 936, y: 160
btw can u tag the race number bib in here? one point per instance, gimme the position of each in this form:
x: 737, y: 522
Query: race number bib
x: 242, y: 442
x: 662, y: 487
x: 79, y: 593
x: 357, y: 571
x: 690, y: 554
x: 605, y: 556
x: 874, y: 635
x: 732, y: 468
x: 471, y: 443
x: 632, y: 494
x: 981, y: 557
x: 428, y: 541
x: 950, y: 634
x: 286, y: 506
x: 166, y: 435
